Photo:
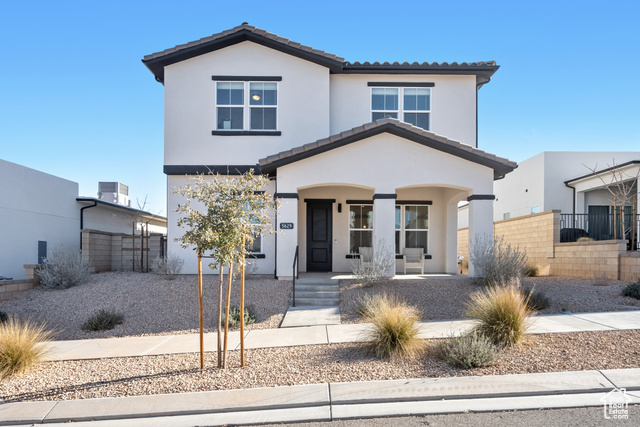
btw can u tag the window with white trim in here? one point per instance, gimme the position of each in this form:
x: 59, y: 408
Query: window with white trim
x: 360, y: 227
x: 415, y: 107
x: 412, y: 227
x: 246, y: 105
x: 256, y: 245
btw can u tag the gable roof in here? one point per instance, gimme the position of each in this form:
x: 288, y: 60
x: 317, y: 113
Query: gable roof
x: 245, y: 32
x: 500, y: 165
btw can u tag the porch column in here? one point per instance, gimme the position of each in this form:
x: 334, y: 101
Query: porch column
x: 287, y: 237
x: 480, y: 221
x: 384, y: 224
x: 451, y: 246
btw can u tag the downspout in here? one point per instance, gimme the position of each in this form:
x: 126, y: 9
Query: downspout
x: 82, y: 220
x: 574, y: 202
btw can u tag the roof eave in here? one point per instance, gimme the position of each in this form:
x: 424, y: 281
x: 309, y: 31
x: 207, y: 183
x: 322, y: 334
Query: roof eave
x: 156, y: 64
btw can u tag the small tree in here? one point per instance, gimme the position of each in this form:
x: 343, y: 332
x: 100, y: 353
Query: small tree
x: 622, y: 188
x: 232, y: 211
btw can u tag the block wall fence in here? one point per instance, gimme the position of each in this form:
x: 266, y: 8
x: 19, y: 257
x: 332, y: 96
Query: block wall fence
x: 539, y: 235
x: 106, y: 251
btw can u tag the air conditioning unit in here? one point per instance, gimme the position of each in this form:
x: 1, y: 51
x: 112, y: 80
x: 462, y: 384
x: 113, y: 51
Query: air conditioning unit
x: 114, y: 192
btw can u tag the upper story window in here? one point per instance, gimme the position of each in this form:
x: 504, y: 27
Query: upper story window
x: 246, y: 106
x: 409, y: 104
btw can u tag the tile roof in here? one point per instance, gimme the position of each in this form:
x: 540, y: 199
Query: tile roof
x: 500, y: 165
x: 157, y: 61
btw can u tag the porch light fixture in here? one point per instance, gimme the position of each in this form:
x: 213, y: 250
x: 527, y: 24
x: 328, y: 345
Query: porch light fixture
x: 256, y: 97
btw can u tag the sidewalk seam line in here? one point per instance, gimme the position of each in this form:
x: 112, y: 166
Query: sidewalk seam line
x: 597, y: 323
x: 608, y: 379
x: 157, y: 345
x: 48, y: 412
x: 330, y: 402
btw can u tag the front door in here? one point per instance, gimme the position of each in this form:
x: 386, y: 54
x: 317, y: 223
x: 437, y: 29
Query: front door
x: 319, y: 235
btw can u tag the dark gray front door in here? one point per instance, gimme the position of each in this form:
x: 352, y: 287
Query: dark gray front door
x: 319, y: 235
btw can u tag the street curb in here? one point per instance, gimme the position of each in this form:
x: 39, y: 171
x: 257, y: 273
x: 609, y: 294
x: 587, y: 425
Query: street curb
x: 328, y: 401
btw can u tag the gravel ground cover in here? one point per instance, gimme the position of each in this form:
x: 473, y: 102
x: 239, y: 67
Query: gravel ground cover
x: 441, y: 299
x: 151, y: 305
x: 307, y: 365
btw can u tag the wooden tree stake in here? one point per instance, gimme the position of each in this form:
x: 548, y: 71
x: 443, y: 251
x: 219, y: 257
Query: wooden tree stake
x: 226, y: 320
x: 200, y: 310
x: 242, y: 311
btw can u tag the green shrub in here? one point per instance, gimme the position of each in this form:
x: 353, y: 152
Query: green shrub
x: 530, y: 270
x: 3, y: 317
x: 63, y: 269
x: 234, y: 316
x: 22, y: 345
x: 394, y: 329
x: 103, y: 320
x: 632, y: 290
x: 536, y: 301
x: 502, y: 313
x: 472, y: 350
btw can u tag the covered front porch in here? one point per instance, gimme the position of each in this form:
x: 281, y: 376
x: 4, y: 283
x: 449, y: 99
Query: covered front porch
x: 386, y: 183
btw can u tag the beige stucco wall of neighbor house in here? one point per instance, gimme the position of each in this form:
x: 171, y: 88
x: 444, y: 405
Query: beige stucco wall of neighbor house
x: 261, y: 266
x: 453, y: 103
x: 34, y: 206
x: 190, y: 105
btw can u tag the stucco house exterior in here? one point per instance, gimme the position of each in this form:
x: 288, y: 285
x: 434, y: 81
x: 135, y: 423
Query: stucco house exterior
x: 359, y: 153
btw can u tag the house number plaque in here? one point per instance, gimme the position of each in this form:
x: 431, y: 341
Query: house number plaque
x: 286, y: 226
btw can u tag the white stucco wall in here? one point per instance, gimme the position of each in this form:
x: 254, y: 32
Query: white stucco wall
x: 190, y: 106
x: 34, y: 206
x: 114, y: 220
x: 263, y: 266
x: 544, y: 175
x: 453, y: 103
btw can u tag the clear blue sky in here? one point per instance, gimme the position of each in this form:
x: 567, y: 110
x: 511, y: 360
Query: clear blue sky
x: 77, y: 102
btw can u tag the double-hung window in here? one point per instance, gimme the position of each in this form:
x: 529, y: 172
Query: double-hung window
x: 408, y: 104
x: 360, y: 227
x: 246, y: 106
x: 412, y: 227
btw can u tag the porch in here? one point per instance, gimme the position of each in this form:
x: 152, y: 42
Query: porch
x: 621, y: 225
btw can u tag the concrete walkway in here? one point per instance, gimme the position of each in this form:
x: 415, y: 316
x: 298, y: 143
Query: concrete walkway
x: 333, y: 401
x: 320, y: 334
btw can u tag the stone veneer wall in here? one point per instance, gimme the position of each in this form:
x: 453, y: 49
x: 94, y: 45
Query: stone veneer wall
x: 13, y: 288
x: 106, y: 251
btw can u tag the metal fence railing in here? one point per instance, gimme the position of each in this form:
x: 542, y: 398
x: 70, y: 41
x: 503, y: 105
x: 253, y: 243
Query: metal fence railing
x: 600, y: 227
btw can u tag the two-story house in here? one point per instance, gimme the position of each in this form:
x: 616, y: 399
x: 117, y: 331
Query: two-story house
x: 358, y: 152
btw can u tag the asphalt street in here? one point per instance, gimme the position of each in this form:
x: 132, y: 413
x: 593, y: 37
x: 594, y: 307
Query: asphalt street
x: 578, y: 417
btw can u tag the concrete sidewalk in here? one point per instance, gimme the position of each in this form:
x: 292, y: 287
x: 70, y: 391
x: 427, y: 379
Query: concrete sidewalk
x: 321, y: 334
x: 326, y: 402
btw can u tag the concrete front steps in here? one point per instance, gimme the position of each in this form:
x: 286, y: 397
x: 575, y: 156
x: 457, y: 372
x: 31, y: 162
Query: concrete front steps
x: 317, y: 291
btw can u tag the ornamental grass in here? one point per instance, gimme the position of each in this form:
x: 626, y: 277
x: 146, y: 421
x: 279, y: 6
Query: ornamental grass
x: 22, y: 345
x: 502, y: 313
x: 394, y: 328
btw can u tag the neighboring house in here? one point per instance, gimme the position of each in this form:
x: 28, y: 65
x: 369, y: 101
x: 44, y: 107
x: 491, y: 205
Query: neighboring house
x: 565, y: 181
x: 39, y: 211
x: 359, y: 153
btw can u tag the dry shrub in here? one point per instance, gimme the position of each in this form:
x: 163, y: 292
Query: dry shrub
x: 472, y: 350
x: 496, y: 261
x: 63, y: 269
x: 22, y: 345
x: 394, y: 331
x: 502, y: 313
